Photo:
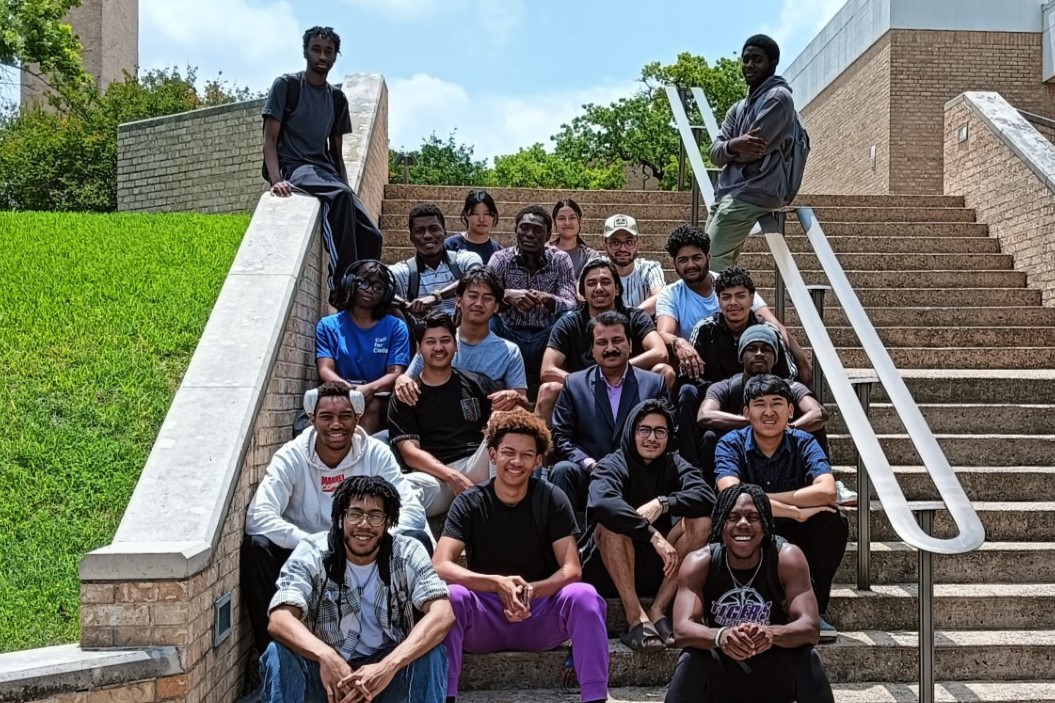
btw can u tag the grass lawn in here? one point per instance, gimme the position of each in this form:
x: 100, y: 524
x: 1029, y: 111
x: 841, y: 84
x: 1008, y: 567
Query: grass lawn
x: 99, y: 315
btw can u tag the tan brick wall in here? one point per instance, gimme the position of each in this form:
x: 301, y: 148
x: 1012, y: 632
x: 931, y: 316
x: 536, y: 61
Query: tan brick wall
x: 371, y: 189
x: 1018, y: 207
x: 844, y: 121
x: 180, y: 613
x: 200, y: 161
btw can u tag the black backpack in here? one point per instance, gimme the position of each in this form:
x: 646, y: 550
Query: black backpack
x: 414, y: 280
x: 292, y: 81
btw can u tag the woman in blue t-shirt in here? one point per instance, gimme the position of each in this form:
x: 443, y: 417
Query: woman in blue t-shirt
x: 364, y: 344
x: 480, y: 216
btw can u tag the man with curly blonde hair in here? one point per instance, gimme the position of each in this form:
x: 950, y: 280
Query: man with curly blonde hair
x: 520, y: 588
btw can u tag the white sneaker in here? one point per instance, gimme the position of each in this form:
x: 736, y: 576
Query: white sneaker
x: 844, y: 496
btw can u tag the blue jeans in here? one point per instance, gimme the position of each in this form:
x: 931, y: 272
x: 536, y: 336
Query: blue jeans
x: 287, y: 677
x: 532, y: 343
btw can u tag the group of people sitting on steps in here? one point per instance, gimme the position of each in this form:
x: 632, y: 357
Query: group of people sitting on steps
x: 504, y: 438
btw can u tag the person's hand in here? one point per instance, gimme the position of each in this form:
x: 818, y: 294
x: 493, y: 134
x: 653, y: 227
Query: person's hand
x: 737, y: 644
x: 689, y: 362
x: 804, y: 514
x: 651, y: 510
x: 667, y: 553
x: 333, y: 669
x: 761, y: 637
x: 521, y: 300
x: 750, y: 146
x: 283, y: 189
x: 504, y: 400
x: 368, y: 681
x: 515, y: 594
x: 458, y: 482
x: 544, y: 299
x: 406, y: 390
x: 420, y: 306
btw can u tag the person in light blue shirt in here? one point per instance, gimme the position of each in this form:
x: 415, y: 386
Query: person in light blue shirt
x: 364, y: 345
x: 479, y: 295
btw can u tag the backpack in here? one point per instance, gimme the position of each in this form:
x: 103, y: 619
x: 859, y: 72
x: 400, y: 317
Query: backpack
x: 292, y: 81
x: 414, y: 281
x: 800, y: 152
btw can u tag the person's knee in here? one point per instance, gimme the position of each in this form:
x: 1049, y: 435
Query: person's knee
x: 461, y: 601
x: 667, y: 372
x: 276, y: 656
x: 605, y: 538
x: 584, y: 597
x: 257, y: 543
x: 698, y: 529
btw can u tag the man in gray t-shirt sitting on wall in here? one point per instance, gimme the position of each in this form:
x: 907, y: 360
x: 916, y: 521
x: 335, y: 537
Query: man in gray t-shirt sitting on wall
x: 305, y: 120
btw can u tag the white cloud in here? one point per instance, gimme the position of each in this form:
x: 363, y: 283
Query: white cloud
x: 492, y: 123
x: 398, y: 9
x: 499, y: 19
x: 800, y: 20
x: 495, y: 18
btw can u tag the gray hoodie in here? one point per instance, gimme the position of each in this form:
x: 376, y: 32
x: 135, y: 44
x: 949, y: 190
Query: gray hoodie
x: 762, y: 182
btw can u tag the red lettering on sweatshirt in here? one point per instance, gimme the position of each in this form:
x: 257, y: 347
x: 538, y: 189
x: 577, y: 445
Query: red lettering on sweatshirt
x: 330, y: 483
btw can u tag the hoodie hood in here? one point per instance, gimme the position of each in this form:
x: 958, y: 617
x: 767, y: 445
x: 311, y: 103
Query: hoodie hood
x: 629, y: 446
x: 306, y: 441
x: 768, y: 84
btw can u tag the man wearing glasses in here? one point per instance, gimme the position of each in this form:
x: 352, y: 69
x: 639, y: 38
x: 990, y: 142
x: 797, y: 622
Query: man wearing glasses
x: 642, y: 279
x: 295, y: 496
x: 634, y: 548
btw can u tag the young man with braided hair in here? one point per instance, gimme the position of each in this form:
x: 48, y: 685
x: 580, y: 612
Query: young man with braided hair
x: 746, y: 614
x: 344, y: 619
x: 305, y: 120
x: 520, y: 588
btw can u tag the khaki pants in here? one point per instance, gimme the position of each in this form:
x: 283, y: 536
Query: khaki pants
x: 728, y: 225
x: 436, y: 495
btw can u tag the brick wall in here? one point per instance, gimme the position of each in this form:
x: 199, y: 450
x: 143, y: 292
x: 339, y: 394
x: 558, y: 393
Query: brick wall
x: 201, y: 161
x: 1004, y: 190
x: 844, y: 121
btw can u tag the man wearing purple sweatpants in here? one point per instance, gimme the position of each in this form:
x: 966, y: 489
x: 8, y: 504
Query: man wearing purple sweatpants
x: 520, y: 589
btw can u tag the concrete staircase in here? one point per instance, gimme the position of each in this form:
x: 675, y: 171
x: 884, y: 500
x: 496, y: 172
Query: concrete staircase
x: 977, y: 351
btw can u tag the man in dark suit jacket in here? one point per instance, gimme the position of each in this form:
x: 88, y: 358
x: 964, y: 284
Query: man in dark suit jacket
x: 594, y: 405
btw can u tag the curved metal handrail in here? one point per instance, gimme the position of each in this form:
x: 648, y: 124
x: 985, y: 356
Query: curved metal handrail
x: 971, y: 533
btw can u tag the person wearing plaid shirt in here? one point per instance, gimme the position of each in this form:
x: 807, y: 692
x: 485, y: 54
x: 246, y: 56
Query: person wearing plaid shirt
x: 343, y: 619
x: 539, y: 285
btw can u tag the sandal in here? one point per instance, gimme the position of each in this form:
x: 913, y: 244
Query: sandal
x: 665, y: 631
x: 642, y: 638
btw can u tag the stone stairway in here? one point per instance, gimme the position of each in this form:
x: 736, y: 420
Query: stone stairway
x: 977, y: 352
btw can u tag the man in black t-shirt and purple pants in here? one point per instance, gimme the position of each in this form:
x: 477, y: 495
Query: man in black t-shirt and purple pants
x: 440, y: 438
x: 520, y: 587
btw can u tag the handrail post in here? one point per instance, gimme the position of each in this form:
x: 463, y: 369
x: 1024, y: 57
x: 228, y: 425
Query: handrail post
x: 780, y: 291
x: 863, y: 387
x: 817, y: 296
x: 926, y: 612
x: 696, y: 131
x: 682, y: 154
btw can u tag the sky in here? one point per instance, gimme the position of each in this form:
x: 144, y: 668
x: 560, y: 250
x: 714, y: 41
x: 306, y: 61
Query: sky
x: 502, y: 74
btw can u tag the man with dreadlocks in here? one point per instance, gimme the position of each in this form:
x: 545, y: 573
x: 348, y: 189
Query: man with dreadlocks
x: 343, y: 619
x: 305, y: 120
x: 364, y: 345
x: 745, y: 613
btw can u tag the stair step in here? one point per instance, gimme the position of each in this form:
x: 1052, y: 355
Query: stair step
x: 961, y: 449
x: 970, y: 299
x: 958, y: 384
x: 1004, y: 521
x: 972, y: 418
x: 937, y: 316
x: 943, y: 336
x: 889, y: 214
x: 980, y: 483
x: 878, y: 245
x: 980, y: 359
x: 993, y: 562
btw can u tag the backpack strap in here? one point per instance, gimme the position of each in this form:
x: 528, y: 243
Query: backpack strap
x: 452, y: 263
x: 414, y: 280
x: 292, y: 82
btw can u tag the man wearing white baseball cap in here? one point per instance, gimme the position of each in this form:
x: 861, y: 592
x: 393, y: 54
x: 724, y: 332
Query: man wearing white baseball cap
x: 295, y: 496
x: 642, y: 278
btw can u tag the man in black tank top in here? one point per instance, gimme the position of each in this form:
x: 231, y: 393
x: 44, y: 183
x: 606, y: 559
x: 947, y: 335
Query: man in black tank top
x: 746, y: 613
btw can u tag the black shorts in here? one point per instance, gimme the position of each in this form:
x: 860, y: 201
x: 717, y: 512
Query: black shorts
x: 648, y: 571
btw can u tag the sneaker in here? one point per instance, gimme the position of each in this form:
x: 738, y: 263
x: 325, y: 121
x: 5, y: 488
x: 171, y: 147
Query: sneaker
x: 844, y: 496
x: 828, y: 632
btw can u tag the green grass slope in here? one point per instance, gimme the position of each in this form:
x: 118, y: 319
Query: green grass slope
x: 99, y: 316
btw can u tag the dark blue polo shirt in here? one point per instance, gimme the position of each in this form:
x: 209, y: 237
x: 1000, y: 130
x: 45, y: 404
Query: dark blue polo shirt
x: 796, y: 464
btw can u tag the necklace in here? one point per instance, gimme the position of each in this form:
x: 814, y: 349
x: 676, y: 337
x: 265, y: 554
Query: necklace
x: 360, y: 587
x: 736, y: 583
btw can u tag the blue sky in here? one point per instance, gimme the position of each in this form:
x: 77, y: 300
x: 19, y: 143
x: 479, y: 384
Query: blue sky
x: 504, y: 73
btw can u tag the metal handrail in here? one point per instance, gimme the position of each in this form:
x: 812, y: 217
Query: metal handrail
x: 971, y: 533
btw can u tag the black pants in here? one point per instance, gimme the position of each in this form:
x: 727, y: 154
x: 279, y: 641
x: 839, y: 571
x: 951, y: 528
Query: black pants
x: 261, y: 562
x: 690, y: 397
x: 348, y: 231
x: 776, y: 676
x: 574, y: 480
x: 822, y: 539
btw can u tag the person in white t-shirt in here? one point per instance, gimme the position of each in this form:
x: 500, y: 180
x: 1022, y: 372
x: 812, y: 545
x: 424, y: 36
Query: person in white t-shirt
x: 295, y: 496
x: 642, y: 278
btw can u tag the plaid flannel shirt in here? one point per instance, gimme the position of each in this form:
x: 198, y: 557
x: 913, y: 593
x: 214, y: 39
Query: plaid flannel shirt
x: 304, y: 585
x: 555, y: 275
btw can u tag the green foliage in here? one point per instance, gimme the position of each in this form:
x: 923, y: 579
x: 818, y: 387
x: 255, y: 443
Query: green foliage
x: 101, y: 314
x: 65, y: 158
x: 536, y: 168
x: 439, y: 162
x: 35, y: 31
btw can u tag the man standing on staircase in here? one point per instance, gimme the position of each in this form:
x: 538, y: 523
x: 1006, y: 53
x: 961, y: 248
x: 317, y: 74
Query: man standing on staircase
x: 305, y: 120
x: 754, y: 148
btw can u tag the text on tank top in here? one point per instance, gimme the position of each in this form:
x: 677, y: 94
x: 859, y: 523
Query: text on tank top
x: 757, y: 600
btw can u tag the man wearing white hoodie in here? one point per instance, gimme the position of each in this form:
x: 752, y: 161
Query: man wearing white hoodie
x: 295, y: 497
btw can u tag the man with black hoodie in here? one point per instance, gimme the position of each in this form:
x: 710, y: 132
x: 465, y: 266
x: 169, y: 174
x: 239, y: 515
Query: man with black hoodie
x: 754, y: 149
x: 634, y: 546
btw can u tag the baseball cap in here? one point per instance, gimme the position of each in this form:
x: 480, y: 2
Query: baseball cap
x: 620, y: 223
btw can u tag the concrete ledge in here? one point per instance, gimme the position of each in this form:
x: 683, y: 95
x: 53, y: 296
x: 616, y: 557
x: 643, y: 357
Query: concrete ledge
x: 191, y: 115
x: 39, y: 673
x: 175, y: 516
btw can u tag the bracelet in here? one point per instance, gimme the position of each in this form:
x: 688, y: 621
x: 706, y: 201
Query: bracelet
x: 438, y: 297
x: 718, y: 637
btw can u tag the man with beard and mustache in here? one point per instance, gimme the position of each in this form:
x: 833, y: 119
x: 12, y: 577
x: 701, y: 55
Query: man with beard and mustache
x: 345, y: 618
x: 641, y: 279
x: 304, y: 123
x: 754, y: 146
x: 745, y: 613
x: 295, y: 496
x: 595, y: 403
x: 440, y: 437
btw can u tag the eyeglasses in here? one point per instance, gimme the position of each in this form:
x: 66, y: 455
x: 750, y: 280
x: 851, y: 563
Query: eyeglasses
x: 752, y: 518
x: 622, y: 244
x: 373, y: 519
x: 373, y: 287
x: 644, y: 431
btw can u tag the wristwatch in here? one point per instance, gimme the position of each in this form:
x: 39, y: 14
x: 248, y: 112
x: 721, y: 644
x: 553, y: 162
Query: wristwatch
x: 664, y: 502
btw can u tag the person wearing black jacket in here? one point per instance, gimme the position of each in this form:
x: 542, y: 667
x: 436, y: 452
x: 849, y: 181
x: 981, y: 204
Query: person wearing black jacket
x: 634, y: 546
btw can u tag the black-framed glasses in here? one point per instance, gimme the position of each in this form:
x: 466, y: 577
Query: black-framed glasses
x: 644, y: 431
x: 374, y: 518
x: 622, y: 244
x: 372, y: 286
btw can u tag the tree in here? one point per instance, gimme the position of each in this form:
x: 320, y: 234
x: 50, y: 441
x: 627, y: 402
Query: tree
x: 639, y: 130
x: 438, y: 162
x: 35, y: 31
x: 534, y: 167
